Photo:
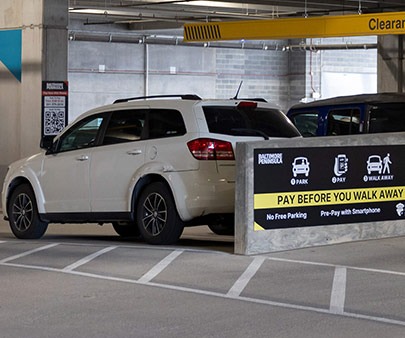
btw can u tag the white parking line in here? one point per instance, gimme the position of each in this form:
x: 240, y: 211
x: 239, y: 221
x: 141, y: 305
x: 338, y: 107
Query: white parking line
x: 337, y: 299
x: 1, y: 242
x: 87, y: 259
x: 388, y: 272
x: 159, y: 267
x: 27, y: 253
x: 338, y: 294
x: 245, y: 278
x: 246, y: 299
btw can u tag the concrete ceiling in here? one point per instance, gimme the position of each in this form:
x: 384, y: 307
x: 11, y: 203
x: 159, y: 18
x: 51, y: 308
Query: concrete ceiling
x: 165, y: 14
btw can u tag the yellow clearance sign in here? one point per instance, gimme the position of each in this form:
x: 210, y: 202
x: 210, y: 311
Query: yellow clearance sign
x: 326, y: 26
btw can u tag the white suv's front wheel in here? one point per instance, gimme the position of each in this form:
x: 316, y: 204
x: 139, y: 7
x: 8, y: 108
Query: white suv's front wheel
x: 157, y: 217
x: 23, y: 214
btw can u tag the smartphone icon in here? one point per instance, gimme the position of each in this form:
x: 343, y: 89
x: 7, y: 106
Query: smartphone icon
x: 341, y: 165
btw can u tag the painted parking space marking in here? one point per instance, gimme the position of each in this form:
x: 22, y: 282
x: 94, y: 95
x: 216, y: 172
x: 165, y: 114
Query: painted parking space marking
x: 88, y: 259
x: 338, y: 295
x: 287, y: 260
x: 27, y: 253
x: 159, y: 267
x: 216, y: 294
x: 245, y: 278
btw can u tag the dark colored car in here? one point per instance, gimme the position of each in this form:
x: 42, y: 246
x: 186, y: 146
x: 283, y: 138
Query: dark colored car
x: 356, y: 114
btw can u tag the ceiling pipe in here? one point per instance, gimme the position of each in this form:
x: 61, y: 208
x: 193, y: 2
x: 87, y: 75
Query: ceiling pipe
x: 176, y: 40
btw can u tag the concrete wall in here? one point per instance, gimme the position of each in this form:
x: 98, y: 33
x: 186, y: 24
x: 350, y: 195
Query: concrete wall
x: 341, y: 72
x: 20, y: 99
x: 43, y: 57
x: 391, y: 63
x: 100, y: 72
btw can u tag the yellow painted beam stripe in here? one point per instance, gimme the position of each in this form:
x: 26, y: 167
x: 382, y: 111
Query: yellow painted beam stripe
x: 325, y: 26
x: 257, y: 227
x: 328, y: 197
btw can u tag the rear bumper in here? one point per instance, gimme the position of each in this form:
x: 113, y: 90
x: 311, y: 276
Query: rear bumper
x: 197, y: 194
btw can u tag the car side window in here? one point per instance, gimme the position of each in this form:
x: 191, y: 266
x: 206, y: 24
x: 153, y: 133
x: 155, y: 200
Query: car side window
x: 165, y: 123
x: 306, y: 123
x: 343, y: 121
x: 124, y: 126
x: 82, y: 135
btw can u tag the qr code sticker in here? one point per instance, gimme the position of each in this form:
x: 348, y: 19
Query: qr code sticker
x: 54, y: 121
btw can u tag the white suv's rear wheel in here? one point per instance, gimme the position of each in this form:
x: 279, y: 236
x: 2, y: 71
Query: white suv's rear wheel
x: 157, y: 217
x: 23, y: 214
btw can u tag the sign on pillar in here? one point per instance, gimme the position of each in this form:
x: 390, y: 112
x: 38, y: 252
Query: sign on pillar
x: 54, y: 107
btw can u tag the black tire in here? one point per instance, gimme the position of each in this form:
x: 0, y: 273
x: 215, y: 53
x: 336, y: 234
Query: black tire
x: 157, y: 217
x: 126, y: 229
x: 23, y: 214
x: 224, y: 226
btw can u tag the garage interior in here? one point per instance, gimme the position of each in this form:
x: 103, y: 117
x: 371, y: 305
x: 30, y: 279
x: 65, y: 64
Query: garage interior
x: 109, y: 49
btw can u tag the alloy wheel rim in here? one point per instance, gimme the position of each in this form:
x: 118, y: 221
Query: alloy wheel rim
x: 23, y: 212
x: 154, y: 214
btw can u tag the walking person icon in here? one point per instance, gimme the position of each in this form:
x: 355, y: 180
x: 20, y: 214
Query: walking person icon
x: 387, y: 162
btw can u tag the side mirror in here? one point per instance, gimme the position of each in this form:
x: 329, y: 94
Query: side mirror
x: 47, y: 142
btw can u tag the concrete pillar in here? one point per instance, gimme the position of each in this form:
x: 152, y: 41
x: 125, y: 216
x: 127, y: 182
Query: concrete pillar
x: 390, y: 64
x: 297, y: 74
x: 40, y: 54
x: 55, y: 40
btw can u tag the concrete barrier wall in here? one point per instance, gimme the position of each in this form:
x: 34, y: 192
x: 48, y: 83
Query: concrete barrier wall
x: 248, y: 241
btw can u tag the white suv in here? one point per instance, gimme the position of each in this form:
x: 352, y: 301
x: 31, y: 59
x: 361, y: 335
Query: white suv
x: 149, y: 166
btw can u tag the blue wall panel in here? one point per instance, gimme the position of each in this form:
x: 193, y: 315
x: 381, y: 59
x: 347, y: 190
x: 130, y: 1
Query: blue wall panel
x: 10, y: 51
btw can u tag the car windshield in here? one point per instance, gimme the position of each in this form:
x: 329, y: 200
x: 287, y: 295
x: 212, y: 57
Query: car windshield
x: 250, y: 121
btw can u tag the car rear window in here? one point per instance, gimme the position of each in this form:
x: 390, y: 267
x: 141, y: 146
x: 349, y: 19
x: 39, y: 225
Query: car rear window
x: 388, y: 117
x: 251, y: 121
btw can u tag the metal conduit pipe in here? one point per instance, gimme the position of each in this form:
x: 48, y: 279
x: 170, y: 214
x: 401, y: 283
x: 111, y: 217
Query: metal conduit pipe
x: 177, y: 40
x: 315, y: 48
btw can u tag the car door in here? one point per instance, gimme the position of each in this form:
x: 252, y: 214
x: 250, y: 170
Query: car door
x: 117, y: 160
x: 65, y: 172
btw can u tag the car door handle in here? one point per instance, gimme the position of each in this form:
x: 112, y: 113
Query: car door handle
x: 134, y: 152
x: 82, y: 158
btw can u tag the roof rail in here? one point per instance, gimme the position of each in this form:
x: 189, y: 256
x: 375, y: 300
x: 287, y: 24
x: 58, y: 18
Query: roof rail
x: 182, y: 96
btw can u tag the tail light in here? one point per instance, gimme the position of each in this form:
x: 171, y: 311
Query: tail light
x: 247, y: 105
x: 210, y: 149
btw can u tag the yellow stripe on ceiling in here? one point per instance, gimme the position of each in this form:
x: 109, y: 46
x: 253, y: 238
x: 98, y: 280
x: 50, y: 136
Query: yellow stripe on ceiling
x: 325, y: 26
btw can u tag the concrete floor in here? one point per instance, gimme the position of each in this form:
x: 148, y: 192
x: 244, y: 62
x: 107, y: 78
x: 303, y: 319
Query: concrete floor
x: 84, y: 281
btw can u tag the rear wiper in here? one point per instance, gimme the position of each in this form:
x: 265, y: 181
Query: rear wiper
x: 250, y: 132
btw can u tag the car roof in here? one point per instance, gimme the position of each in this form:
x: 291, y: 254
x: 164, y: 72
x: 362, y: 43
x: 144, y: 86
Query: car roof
x: 170, y: 101
x: 354, y: 99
